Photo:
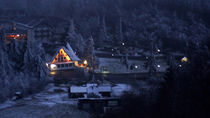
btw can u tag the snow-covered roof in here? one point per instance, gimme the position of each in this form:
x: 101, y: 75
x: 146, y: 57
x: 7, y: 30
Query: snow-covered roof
x: 78, y: 89
x: 104, y: 88
x: 69, y: 51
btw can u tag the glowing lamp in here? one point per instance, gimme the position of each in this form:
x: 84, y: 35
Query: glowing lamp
x: 184, y: 59
x: 158, y: 66
x: 47, y: 64
x: 136, y: 66
x: 158, y: 50
x: 53, y: 66
x: 85, y: 62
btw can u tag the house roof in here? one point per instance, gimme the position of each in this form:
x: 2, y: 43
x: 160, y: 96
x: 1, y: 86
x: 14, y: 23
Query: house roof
x: 69, y: 51
x: 28, y: 22
x: 31, y: 22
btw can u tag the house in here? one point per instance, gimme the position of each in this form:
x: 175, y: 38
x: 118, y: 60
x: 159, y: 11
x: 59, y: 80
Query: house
x: 91, y: 90
x: 100, y: 105
x: 39, y: 28
x: 121, y: 64
x: 17, y: 35
x: 64, y: 59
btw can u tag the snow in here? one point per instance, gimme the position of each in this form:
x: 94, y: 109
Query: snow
x: 75, y: 89
x: 6, y: 104
x: 48, y: 98
x: 119, y: 89
x: 71, y: 53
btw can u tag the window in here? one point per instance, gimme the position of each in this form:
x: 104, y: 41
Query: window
x: 70, y: 65
x: 64, y: 57
x: 62, y: 65
x: 66, y: 65
x: 59, y: 65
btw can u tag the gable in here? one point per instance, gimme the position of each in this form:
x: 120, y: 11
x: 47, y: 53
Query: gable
x: 61, y: 56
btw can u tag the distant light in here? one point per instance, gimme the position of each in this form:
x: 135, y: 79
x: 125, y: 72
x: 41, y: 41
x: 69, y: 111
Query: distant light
x: 18, y: 35
x: 158, y: 66
x: 146, y: 57
x: 47, y: 64
x: 112, y: 49
x: 180, y: 65
x: 123, y: 43
x: 53, y: 66
x: 52, y: 73
x: 136, y: 66
x: 184, y: 59
x: 112, y: 54
x: 85, y: 62
x: 158, y: 50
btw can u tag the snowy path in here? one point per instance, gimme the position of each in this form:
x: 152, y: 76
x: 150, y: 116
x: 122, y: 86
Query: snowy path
x: 52, y: 102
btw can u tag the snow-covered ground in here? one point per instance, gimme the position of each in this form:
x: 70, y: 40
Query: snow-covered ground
x: 52, y: 102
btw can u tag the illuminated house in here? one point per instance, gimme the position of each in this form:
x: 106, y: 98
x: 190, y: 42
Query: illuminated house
x: 64, y: 59
x: 39, y: 28
x: 17, y: 35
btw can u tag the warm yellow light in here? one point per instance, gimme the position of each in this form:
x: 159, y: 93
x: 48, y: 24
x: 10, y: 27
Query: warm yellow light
x: 53, y: 66
x: 47, y: 64
x: 184, y: 59
x: 85, y: 62
x: 53, y: 73
x: 61, y: 53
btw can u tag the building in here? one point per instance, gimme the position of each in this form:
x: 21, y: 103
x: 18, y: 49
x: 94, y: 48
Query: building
x: 114, y: 63
x: 90, y: 91
x: 17, y: 35
x: 40, y: 29
x: 64, y: 59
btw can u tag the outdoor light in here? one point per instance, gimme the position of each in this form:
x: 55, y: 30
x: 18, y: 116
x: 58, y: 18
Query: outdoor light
x: 184, y: 59
x: 180, y: 66
x: 123, y: 43
x: 158, y: 66
x: 85, y: 62
x: 136, y: 66
x: 158, y: 50
x: 53, y: 66
x: 112, y: 54
x: 18, y: 35
x: 47, y: 64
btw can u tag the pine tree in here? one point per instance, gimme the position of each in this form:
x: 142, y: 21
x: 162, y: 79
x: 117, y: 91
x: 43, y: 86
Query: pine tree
x: 89, y: 52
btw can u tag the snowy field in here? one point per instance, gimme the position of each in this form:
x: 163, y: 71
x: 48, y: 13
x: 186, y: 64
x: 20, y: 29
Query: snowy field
x: 53, y: 102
